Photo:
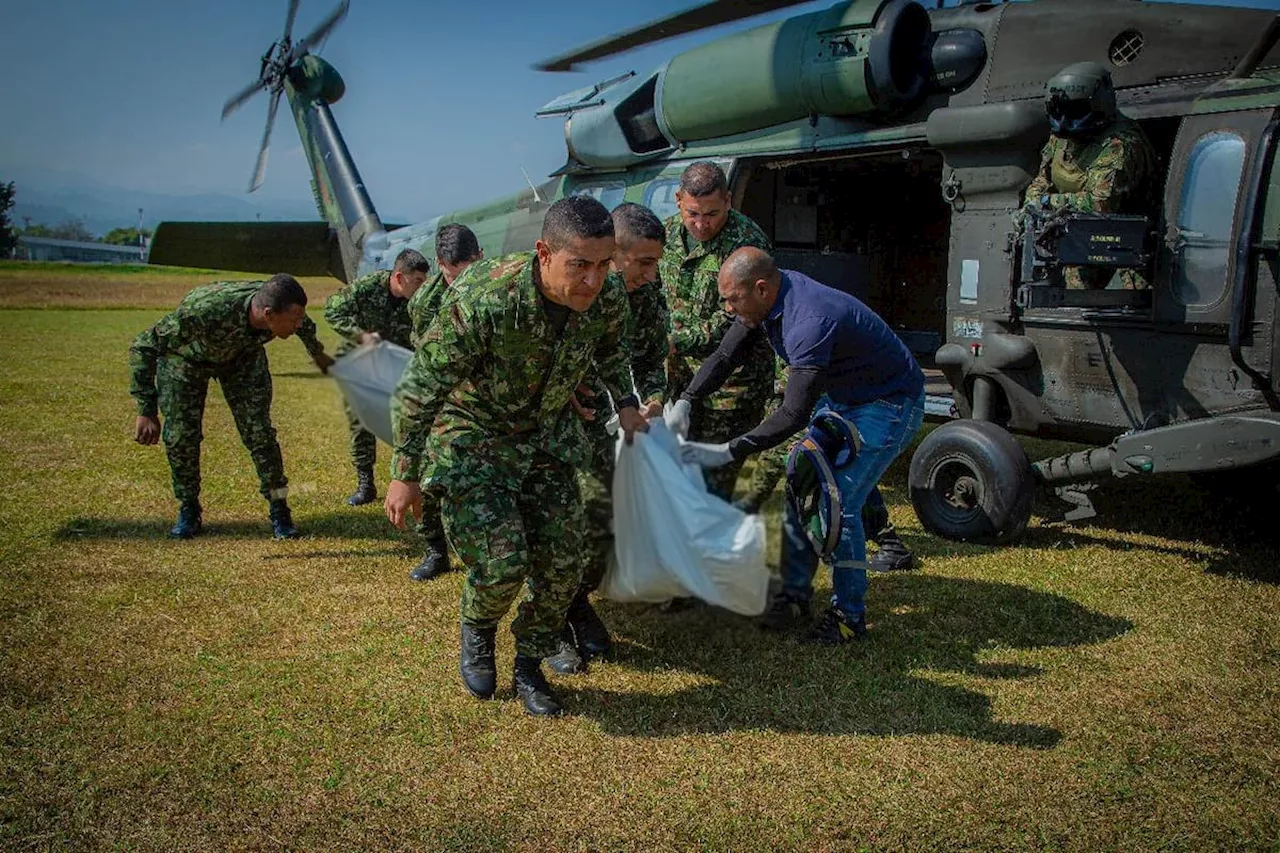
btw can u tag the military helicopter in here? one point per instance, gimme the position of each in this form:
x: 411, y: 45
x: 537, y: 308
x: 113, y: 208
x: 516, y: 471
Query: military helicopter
x: 884, y: 147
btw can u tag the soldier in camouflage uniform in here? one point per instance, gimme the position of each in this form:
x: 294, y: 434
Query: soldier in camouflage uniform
x: 456, y: 249
x: 218, y: 332
x: 1096, y: 161
x: 483, y: 410
x: 639, y: 236
x: 372, y: 308
x: 698, y: 239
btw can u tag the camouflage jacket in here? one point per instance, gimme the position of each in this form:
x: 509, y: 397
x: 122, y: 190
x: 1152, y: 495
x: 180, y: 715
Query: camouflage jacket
x: 490, y: 384
x: 424, y: 305
x: 1109, y: 173
x: 210, y: 327
x: 698, y: 320
x: 368, y: 305
x: 646, y: 336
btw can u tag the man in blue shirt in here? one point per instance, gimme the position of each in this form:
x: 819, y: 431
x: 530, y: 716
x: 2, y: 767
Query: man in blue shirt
x: 842, y: 357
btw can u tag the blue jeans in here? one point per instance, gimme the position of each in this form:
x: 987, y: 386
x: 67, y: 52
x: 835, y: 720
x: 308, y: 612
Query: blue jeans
x: 887, y: 427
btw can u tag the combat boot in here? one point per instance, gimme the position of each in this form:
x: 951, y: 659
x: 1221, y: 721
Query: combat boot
x: 893, y: 555
x: 435, y: 562
x: 836, y: 628
x: 785, y: 613
x: 282, y: 520
x: 567, y: 660
x: 479, y: 672
x: 190, y: 522
x: 366, y: 491
x: 588, y: 628
x: 532, y: 688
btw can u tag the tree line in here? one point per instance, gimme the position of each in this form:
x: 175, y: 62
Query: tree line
x: 71, y: 229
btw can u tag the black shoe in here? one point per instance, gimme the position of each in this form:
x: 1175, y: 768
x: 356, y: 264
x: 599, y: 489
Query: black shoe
x: 836, y: 628
x: 190, y: 522
x: 588, y: 628
x: 532, y: 688
x: 785, y: 613
x: 436, y: 562
x: 479, y: 672
x: 567, y: 660
x: 893, y: 555
x: 365, y: 492
x: 282, y: 520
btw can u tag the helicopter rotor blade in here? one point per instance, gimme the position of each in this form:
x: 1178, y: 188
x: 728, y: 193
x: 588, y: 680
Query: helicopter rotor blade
x: 318, y: 34
x: 288, y: 21
x: 260, y: 170
x: 235, y: 101
x: 690, y: 20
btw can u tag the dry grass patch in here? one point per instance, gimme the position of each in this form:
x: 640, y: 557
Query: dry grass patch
x: 1111, y: 686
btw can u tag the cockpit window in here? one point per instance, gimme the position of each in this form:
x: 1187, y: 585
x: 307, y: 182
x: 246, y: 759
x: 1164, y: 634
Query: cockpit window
x: 1206, y: 214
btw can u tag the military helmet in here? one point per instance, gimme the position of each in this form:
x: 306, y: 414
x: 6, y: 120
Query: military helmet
x: 830, y: 443
x: 1080, y: 99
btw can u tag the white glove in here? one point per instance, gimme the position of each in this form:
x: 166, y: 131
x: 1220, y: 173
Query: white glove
x: 705, y: 455
x: 677, y: 417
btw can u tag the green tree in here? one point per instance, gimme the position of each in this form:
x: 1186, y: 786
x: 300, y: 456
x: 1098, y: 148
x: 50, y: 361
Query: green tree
x: 8, y: 237
x: 71, y: 229
x: 125, y: 236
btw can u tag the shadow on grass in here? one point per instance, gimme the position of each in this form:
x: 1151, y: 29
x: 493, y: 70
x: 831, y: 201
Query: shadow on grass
x: 927, y: 634
x: 338, y: 525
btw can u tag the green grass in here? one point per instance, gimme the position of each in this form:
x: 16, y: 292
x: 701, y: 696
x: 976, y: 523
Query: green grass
x: 1112, y: 686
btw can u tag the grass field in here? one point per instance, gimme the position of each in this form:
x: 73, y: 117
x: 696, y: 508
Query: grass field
x: 1111, y: 686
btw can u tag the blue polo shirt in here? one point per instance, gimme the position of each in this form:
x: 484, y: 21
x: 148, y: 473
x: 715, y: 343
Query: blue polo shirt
x: 861, y: 359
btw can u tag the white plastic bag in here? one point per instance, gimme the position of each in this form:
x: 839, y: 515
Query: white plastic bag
x: 674, y: 539
x: 367, y: 377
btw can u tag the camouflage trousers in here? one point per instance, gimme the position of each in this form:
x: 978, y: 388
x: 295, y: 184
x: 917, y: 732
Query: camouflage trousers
x: 1093, y: 278
x: 364, y: 444
x: 431, y: 525
x: 717, y: 426
x: 184, y: 386
x: 524, y: 538
x: 596, y: 487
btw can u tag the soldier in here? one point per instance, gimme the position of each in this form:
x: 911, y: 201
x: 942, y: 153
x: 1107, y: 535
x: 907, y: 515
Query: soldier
x: 639, y: 235
x: 698, y: 239
x: 1096, y: 161
x: 218, y: 332
x: 486, y: 401
x: 371, y: 308
x: 843, y: 358
x: 456, y: 249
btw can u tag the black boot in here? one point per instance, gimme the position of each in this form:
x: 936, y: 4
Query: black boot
x: 435, y: 562
x: 476, y: 664
x: 567, y: 660
x: 532, y: 688
x: 190, y: 522
x: 365, y: 491
x: 893, y: 555
x: 282, y: 520
x: 588, y: 628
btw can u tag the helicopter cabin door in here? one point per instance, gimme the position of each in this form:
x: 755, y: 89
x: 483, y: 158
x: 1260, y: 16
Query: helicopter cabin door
x: 1210, y: 203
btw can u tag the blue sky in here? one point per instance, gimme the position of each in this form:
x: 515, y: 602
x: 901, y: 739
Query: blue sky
x: 438, y: 111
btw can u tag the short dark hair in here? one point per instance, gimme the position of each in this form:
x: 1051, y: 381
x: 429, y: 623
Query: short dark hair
x: 411, y: 260
x: 576, y: 217
x: 280, y: 293
x: 456, y: 243
x: 637, y: 222
x: 703, y: 178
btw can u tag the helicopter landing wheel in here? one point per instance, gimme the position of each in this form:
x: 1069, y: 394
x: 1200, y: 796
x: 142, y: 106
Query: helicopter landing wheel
x: 971, y: 482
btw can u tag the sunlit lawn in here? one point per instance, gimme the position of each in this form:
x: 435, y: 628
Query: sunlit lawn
x: 1112, y: 686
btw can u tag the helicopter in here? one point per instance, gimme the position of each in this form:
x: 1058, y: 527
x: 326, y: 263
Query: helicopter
x: 884, y: 148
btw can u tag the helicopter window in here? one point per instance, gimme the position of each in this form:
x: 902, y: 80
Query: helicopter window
x: 610, y: 194
x: 1205, y: 218
x: 660, y: 197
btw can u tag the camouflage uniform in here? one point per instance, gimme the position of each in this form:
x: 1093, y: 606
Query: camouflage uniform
x: 424, y: 305
x: 646, y: 335
x: 486, y: 401
x: 698, y: 322
x: 1107, y: 173
x: 367, y: 305
x: 209, y: 337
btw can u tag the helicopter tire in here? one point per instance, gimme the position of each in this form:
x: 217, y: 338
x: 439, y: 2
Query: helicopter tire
x: 971, y: 482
